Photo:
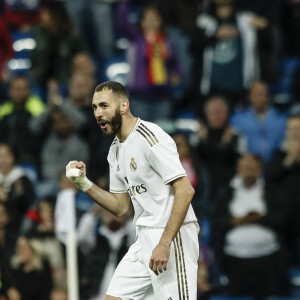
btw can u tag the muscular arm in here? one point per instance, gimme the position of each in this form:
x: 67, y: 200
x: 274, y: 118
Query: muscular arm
x: 117, y: 204
x: 184, y: 193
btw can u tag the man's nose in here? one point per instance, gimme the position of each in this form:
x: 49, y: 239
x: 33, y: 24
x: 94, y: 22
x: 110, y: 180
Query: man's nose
x: 98, y: 113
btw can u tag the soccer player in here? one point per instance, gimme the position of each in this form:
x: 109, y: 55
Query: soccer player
x: 145, y: 167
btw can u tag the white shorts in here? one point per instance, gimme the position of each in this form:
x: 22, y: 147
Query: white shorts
x: 134, y: 280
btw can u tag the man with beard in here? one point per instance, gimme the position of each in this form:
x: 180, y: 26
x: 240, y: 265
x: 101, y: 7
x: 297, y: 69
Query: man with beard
x: 145, y: 166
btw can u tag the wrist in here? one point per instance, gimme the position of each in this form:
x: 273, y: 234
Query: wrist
x: 84, y: 184
x: 165, y: 241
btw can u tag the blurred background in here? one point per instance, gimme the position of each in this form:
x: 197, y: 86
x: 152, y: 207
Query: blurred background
x: 222, y: 77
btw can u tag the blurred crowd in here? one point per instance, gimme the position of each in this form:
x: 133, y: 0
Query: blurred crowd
x: 222, y: 77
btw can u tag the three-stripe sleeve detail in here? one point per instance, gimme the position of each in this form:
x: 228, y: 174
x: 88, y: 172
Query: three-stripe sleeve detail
x: 149, y: 131
x: 147, y: 134
x: 146, y: 137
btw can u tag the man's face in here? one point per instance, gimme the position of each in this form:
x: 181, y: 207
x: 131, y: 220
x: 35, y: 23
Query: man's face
x: 19, y: 91
x: 106, y: 106
x: 249, y: 169
x: 80, y: 89
x: 62, y: 125
x: 151, y: 21
x: 259, y: 96
x: 216, y: 114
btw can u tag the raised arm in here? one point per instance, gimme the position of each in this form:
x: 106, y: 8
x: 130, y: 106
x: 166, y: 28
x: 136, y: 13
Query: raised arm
x: 117, y: 204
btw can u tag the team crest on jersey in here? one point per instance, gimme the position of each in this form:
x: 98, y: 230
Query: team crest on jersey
x: 133, y: 165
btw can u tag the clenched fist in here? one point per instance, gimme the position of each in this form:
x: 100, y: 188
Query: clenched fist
x: 76, y: 172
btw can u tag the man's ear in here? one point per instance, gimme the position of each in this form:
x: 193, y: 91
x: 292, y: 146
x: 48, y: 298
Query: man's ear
x: 124, y: 106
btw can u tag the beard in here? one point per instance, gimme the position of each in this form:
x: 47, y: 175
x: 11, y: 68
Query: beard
x: 115, y: 123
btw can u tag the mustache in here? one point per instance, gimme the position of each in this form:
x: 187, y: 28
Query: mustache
x: 99, y: 120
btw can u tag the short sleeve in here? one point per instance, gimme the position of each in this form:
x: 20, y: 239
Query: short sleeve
x: 164, y: 158
x: 116, y: 185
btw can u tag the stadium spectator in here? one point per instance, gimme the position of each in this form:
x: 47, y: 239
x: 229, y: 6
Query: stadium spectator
x: 291, y: 28
x: 249, y: 220
x: 261, y: 124
x: 283, y: 173
x: 103, y: 247
x: 229, y: 48
x: 6, y: 54
x: 31, y: 272
x: 21, y: 15
x: 81, y: 89
x: 58, y: 126
x: 15, y: 115
x: 219, y: 144
x: 16, y: 190
x: 95, y: 24
x: 154, y: 67
x: 82, y: 63
x: 7, y: 285
x: 56, y: 45
x: 41, y: 227
x: 7, y: 241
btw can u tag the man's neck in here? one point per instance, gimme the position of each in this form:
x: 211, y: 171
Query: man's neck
x: 128, y: 124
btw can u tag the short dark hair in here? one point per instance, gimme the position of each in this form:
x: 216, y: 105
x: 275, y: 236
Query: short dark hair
x: 114, y: 86
x: 20, y: 77
x: 216, y: 97
x: 255, y: 157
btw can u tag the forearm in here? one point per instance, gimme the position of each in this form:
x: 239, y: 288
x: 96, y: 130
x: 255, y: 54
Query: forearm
x: 183, y: 198
x: 116, y: 204
x: 108, y: 201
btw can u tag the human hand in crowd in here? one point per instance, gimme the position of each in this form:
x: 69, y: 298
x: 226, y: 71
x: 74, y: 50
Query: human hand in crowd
x: 202, y: 131
x: 293, y: 152
x: 226, y: 32
x: 227, y: 135
x: 259, y: 22
x: 159, y: 258
x: 54, y: 97
x: 251, y: 217
x: 13, y: 294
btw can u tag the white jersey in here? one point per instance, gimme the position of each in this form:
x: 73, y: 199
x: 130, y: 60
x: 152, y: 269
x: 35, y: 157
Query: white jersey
x: 143, y: 166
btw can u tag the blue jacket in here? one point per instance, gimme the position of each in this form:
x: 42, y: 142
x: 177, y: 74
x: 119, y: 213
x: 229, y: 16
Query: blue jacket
x: 263, y: 137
